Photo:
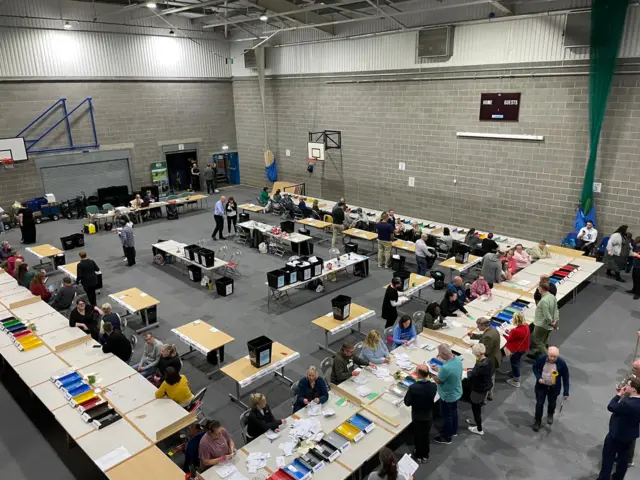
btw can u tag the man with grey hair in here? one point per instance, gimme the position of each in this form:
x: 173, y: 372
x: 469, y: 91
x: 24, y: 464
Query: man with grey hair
x: 449, y: 381
x: 491, y: 340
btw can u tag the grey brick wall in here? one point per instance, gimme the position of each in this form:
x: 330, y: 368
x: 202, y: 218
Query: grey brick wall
x: 519, y: 188
x: 142, y: 113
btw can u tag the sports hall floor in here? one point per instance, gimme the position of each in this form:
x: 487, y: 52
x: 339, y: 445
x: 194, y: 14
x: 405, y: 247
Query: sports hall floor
x: 596, y: 337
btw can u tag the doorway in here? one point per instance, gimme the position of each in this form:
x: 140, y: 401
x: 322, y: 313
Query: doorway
x: 179, y: 169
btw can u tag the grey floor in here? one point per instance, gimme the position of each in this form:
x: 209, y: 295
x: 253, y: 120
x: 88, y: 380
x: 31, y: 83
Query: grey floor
x: 597, y: 338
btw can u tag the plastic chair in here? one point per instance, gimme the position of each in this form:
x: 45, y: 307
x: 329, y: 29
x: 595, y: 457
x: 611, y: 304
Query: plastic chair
x: 107, y: 207
x: 244, y: 420
x: 196, y: 403
x: 294, y: 389
x: 418, y: 320
x: 278, y: 246
x: 222, y: 252
x: 233, y: 264
x: 134, y: 341
x: 326, y: 366
x: 388, y: 336
x: 92, y: 210
x: 242, y: 236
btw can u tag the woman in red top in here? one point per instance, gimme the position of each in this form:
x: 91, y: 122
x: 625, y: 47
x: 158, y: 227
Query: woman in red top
x: 513, y: 265
x: 517, y: 344
x: 12, y: 262
x: 38, y: 287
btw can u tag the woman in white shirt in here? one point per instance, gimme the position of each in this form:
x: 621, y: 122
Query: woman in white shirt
x: 587, y: 237
x: 613, y: 251
x: 231, y: 209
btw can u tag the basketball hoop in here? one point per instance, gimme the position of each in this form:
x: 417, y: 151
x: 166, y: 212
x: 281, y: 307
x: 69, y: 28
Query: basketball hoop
x: 312, y: 160
x: 7, y: 162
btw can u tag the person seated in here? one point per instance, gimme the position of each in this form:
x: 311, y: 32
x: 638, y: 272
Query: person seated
x: 587, y: 237
x: 38, y: 287
x: 176, y: 387
x: 5, y: 250
x: 445, y: 243
x: 480, y: 287
x: 388, y: 469
x: 392, y: 217
x: 65, y: 295
x: 511, y: 261
x: 287, y: 203
x: 25, y: 275
x: 277, y: 197
x: 115, y: 342
x: 345, y: 364
x: 522, y: 258
x: 506, y: 273
x: 137, y: 202
x: 398, y: 230
x: 539, y: 251
x: 449, y: 305
x: 168, y: 358
x: 404, y: 332
x: 109, y: 316
x: 261, y: 419
x: 83, y: 317
x: 264, y: 197
x: 306, y: 211
x: 5, y: 266
x: 12, y: 262
x: 150, y: 356
x: 432, y: 317
x: 361, y: 220
x: 374, y: 349
x: 216, y: 446
x: 316, y: 208
x: 416, y: 232
x: 457, y: 285
x: 16, y: 268
x: 488, y: 244
x: 312, y: 388
x: 472, y: 240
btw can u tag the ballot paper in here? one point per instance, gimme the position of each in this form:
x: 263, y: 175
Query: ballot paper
x: 363, y: 390
x: 382, y: 373
x: 281, y: 462
x: 328, y: 412
x: 403, y: 361
x: 524, y: 283
x: 287, y: 448
x: 213, y: 330
x: 256, y: 461
x: 360, y: 379
x: 314, y: 409
x: 226, y: 470
x: 113, y: 457
x: 271, y: 435
x: 407, y: 466
x: 305, y: 428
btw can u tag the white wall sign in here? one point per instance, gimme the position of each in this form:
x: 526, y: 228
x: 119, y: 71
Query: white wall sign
x: 412, y: 181
x: 287, y: 152
x: 401, y: 166
x: 597, y: 187
x: 181, y: 146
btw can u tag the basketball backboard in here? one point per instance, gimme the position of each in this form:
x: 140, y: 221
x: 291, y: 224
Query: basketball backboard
x: 315, y: 150
x: 13, y: 148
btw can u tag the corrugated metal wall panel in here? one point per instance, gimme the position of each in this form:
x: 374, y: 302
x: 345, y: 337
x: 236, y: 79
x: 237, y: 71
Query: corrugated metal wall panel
x: 37, y: 53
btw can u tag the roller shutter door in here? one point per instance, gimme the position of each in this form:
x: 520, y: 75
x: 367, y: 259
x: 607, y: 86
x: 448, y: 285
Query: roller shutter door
x: 68, y: 181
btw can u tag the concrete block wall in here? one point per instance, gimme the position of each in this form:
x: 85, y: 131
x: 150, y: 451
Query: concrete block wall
x: 142, y: 113
x: 528, y: 189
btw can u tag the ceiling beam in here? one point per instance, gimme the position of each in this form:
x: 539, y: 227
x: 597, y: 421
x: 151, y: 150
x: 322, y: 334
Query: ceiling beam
x: 209, y: 3
x: 377, y: 7
x: 288, y: 9
x: 498, y: 4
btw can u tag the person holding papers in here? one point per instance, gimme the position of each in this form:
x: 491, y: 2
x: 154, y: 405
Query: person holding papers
x: 449, y: 381
x: 404, y: 332
x: 587, y: 237
x: 115, y: 342
x: 390, y: 302
x: 261, y: 419
x: 311, y: 389
x: 344, y: 364
x: 449, y: 304
x: 479, y: 288
x: 491, y: 340
x: 432, y: 318
x: 374, y: 349
x: 420, y: 397
x: 481, y: 383
x: 216, y: 445
x: 552, y: 377
x: 388, y: 467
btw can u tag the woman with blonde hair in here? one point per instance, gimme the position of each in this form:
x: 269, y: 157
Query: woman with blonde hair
x: 311, y: 389
x: 517, y: 345
x: 168, y: 358
x: 261, y: 418
x: 374, y: 349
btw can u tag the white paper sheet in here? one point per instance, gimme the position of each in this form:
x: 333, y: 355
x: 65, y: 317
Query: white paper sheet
x: 226, y: 470
x: 407, y: 466
x: 112, y: 458
x: 363, y: 390
x: 281, y: 462
x: 328, y: 412
x: 314, y: 409
x: 213, y: 329
x: 271, y: 435
x: 287, y: 448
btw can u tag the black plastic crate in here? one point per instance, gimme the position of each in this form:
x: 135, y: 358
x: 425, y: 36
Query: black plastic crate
x: 260, y: 351
x: 191, y: 252
x: 68, y: 242
x: 397, y: 262
x: 350, y: 247
x: 195, y: 273
x: 291, y: 274
x: 405, y: 277
x: 243, y: 217
x: 207, y: 257
x: 224, y: 286
x: 79, y: 239
x: 277, y: 278
x: 288, y: 226
x: 341, y: 306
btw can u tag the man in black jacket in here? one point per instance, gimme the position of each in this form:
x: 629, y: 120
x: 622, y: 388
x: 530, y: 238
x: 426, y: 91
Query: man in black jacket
x: 64, y: 296
x: 345, y: 363
x: 338, y: 223
x: 623, y: 430
x: 420, y: 397
x: 116, y: 343
x: 86, y: 276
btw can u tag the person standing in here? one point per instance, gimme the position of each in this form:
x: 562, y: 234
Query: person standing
x: 208, y: 178
x: 86, y: 276
x: 384, y: 229
x: 552, y: 376
x: 517, y: 345
x: 449, y: 381
x: 546, y: 319
x: 231, y: 211
x: 492, y: 268
x: 491, y: 340
x: 635, y: 273
x: 128, y: 244
x: 421, y: 397
x: 391, y: 301
x: 481, y: 380
x: 338, y: 223
x: 195, y: 176
x: 27, y: 225
x: 613, y: 253
x: 218, y: 217
x: 553, y: 290
x: 425, y: 255
x: 623, y: 431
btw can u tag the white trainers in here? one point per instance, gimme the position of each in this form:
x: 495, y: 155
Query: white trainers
x: 216, y: 191
x: 476, y: 431
x: 513, y: 383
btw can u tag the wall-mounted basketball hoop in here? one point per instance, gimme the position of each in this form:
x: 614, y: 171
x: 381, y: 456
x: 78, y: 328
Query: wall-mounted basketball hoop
x: 7, y: 162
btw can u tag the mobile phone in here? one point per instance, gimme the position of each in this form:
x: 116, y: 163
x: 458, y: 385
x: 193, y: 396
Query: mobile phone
x: 97, y: 346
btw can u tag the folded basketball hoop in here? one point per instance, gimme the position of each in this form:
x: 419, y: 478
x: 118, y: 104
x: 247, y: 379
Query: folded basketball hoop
x: 7, y: 162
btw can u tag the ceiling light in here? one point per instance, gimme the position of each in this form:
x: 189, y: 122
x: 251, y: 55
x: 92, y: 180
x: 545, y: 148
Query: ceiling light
x: 171, y: 32
x: 151, y: 4
x: 264, y: 17
x: 67, y: 25
x: 225, y: 147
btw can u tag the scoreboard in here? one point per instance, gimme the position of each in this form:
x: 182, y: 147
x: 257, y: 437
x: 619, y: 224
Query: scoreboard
x: 500, y: 107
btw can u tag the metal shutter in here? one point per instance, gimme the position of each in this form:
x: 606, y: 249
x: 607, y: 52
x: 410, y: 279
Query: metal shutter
x: 68, y: 181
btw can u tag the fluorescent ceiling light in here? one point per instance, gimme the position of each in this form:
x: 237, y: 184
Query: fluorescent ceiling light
x: 67, y: 25
x: 151, y: 4
x: 264, y: 17
x: 225, y: 147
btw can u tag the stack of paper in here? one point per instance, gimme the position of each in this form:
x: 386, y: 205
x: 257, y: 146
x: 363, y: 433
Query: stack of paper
x: 271, y: 435
x: 305, y: 428
x: 226, y: 470
x: 382, y: 373
x: 360, y: 379
x: 314, y: 409
x: 363, y: 390
x: 403, y: 361
x: 287, y: 448
x: 328, y: 412
x: 256, y: 461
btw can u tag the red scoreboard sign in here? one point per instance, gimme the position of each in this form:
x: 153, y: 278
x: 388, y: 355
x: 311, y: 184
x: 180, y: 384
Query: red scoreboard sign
x: 500, y: 107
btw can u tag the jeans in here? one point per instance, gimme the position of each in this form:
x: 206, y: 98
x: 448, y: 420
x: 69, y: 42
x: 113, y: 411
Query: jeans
x: 423, y: 266
x: 450, y: 419
x: 545, y: 392
x: 130, y: 253
x: 515, y: 364
x: 219, y: 219
x: 421, y: 429
x: 616, y: 452
x: 540, y: 340
x: 145, y: 373
x: 384, y: 249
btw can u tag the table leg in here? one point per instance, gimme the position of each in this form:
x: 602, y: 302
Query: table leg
x: 145, y: 320
x: 283, y: 376
x: 216, y: 370
x: 191, y: 350
x: 236, y: 399
x: 326, y: 343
